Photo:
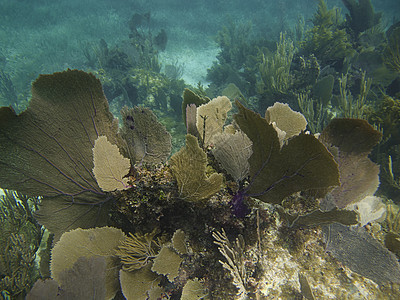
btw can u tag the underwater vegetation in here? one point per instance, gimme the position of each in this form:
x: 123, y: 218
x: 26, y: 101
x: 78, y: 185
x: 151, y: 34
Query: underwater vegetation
x: 131, y: 71
x: 342, y: 64
x: 216, y: 219
x: 20, y: 237
x: 297, y: 201
x: 131, y: 74
x: 337, y: 64
x: 327, y: 39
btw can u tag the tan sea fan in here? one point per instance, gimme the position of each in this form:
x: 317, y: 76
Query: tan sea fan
x: 110, y: 167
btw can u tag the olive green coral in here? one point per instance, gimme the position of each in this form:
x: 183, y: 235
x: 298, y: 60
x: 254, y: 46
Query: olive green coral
x: 362, y: 15
x: 392, y: 51
x: 20, y: 237
x: 327, y: 40
x: 274, y: 71
x: 353, y: 107
x: 189, y: 168
x: 277, y: 172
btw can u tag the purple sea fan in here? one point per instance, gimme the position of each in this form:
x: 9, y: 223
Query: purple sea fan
x: 239, y: 208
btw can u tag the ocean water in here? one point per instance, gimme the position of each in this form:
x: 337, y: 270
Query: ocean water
x: 255, y: 151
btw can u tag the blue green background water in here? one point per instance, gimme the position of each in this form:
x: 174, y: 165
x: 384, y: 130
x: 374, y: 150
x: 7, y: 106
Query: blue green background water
x: 46, y: 36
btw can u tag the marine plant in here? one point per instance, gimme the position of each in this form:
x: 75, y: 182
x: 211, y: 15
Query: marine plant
x: 392, y: 51
x: 20, y: 238
x: 275, y: 71
x: 349, y: 108
x: 237, y: 58
x: 362, y: 15
x: 43, y: 157
x: 90, y: 183
x: 386, y: 117
x: 314, y: 111
x: 327, y: 40
x: 138, y: 250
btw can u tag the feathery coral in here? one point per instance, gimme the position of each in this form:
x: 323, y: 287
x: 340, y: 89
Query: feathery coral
x: 138, y: 250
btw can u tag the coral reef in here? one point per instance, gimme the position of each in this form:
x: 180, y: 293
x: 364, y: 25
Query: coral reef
x: 110, y: 167
x: 386, y: 118
x: 232, y: 152
x: 234, y: 261
x: 186, y: 228
x: 87, y: 243
x: 253, y: 206
x: 289, y: 168
x: 392, y: 223
x: 353, y: 140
